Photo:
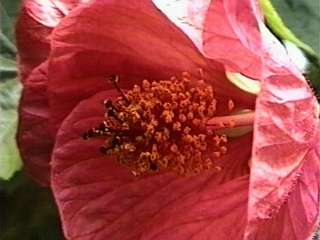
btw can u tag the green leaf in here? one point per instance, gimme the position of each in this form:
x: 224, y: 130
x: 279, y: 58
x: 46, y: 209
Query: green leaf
x: 10, y: 160
x: 10, y: 89
x: 277, y: 25
x: 7, y: 65
x: 8, y: 13
x: 7, y: 44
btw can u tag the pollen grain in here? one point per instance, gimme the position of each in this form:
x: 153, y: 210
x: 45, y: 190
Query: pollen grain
x: 161, y: 125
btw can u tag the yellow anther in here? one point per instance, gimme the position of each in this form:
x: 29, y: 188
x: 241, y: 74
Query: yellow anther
x: 162, y: 126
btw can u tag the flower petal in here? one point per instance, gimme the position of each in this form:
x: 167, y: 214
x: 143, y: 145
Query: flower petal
x: 188, y: 15
x: 223, y: 30
x: 284, y: 134
x: 286, y: 118
x: 134, y: 51
x: 214, y: 211
x: 34, y: 26
x: 299, y: 217
x: 100, y: 199
x: 231, y: 34
x: 35, y: 142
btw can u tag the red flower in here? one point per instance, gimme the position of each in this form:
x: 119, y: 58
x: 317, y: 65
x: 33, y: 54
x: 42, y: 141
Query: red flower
x: 33, y: 32
x: 34, y: 26
x: 98, y: 198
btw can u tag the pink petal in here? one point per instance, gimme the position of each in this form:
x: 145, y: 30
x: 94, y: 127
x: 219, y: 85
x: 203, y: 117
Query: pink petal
x: 100, y: 199
x: 286, y: 121
x: 188, y: 15
x: 299, y: 217
x: 231, y: 35
x: 97, y: 40
x: 223, y: 30
x: 285, y: 130
x: 34, y: 26
x: 35, y: 142
x: 234, y: 34
x: 36, y: 21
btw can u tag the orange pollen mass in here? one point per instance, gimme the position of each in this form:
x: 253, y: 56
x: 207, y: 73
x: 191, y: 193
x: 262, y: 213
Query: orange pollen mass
x: 163, y: 126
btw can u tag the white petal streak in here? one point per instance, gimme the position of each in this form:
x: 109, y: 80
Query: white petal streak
x: 188, y: 15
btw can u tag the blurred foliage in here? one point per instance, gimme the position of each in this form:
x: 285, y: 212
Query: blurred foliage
x: 8, y: 12
x: 28, y: 211
x: 280, y: 29
x: 10, y: 161
x: 303, y: 18
x: 10, y: 90
x: 7, y: 67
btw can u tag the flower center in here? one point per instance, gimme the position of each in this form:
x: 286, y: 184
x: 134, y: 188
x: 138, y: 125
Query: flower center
x: 166, y: 125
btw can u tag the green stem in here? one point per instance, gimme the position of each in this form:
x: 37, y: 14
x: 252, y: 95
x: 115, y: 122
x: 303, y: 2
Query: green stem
x: 279, y: 28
